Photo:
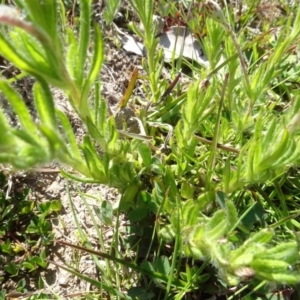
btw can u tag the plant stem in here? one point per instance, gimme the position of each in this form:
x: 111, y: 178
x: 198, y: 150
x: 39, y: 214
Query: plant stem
x: 240, y: 54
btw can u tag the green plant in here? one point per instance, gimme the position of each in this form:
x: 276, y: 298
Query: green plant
x: 25, y: 232
x: 111, y: 9
x: 213, y: 203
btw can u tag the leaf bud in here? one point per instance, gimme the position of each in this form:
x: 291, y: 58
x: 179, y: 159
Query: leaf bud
x: 214, y: 11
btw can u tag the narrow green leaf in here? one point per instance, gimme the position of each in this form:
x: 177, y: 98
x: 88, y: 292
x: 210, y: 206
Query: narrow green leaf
x: 270, y: 137
x: 78, y: 178
x: 291, y: 153
x: 6, y: 211
x: 97, y: 57
x: 232, y: 216
x: 257, y: 153
x: 68, y: 131
x: 27, y: 138
x: 111, y: 9
x: 142, y: 268
x: 99, y: 284
x: 95, y: 134
x: 227, y: 174
x: 19, y: 107
x: 94, y: 69
x: 292, y: 278
x: 84, y: 37
x: 43, y: 14
x: 72, y: 63
x: 205, y: 199
x: 101, y: 113
x: 190, y: 212
x: 284, y: 251
x: 45, y: 104
x: 250, y: 175
x: 217, y: 225
x: 269, y: 265
x: 55, y: 142
x: 135, y: 135
x: 277, y: 151
x: 145, y: 153
x: 171, y: 184
x: 8, y: 49
x: 6, y: 138
x: 31, y: 49
x: 51, y: 69
x: 259, y: 238
x: 93, y: 161
x: 112, y: 137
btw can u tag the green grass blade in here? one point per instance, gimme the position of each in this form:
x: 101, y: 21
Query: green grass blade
x: 152, y: 274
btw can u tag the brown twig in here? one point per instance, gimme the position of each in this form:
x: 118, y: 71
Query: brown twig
x: 220, y: 146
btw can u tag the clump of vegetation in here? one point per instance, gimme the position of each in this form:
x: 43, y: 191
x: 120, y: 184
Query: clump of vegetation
x: 25, y: 233
x: 209, y: 181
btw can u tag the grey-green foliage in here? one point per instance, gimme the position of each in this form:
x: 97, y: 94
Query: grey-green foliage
x: 271, y: 148
x: 210, y: 239
x: 37, y: 46
x: 274, y: 141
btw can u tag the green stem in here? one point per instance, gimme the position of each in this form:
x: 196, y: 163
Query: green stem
x: 214, y: 145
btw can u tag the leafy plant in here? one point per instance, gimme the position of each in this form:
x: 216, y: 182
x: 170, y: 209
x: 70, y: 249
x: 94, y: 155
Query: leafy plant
x: 25, y: 231
x: 111, y: 9
x: 177, y: 172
